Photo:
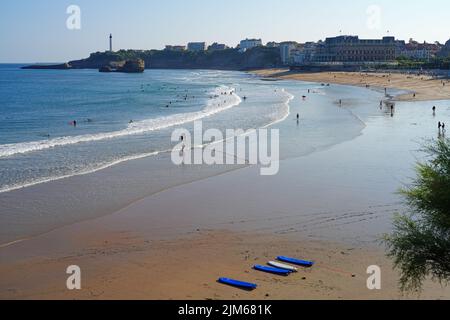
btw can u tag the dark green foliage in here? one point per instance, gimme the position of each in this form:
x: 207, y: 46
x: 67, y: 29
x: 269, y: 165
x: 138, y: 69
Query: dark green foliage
x: 435, y: 63
x: 420, y: 242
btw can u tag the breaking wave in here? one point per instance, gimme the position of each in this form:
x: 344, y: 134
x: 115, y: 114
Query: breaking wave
x: 213, y: 107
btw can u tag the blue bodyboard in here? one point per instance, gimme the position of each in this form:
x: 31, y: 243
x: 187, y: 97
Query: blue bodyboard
x: 239, y: 284
x: 279, y: 271
x: 298, y: 262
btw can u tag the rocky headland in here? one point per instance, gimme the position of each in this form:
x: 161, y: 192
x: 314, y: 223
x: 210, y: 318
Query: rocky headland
x: 127, y: 60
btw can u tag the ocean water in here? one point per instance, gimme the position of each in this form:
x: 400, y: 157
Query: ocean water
x: 118, y: 117
x: 53, y: 173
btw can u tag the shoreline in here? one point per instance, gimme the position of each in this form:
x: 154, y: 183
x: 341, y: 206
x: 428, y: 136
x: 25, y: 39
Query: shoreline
x: 153, y: 160
x: 155, y: 248
x: 425, y: 87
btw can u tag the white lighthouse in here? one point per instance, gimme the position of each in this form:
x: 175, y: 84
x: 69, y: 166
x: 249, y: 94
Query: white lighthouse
x: 110, y: 43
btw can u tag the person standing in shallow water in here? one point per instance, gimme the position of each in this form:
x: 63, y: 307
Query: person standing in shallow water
x: 392, y: 110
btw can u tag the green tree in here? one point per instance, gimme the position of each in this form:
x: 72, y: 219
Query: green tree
x: 420, y: 241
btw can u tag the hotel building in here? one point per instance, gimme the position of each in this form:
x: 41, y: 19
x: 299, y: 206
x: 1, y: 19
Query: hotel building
x: 249, y: 43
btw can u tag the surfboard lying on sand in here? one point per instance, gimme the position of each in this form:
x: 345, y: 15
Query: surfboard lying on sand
x: 282, y: 266
x: 303, y: 263
x: 278, y: 271
x: 239, y: 284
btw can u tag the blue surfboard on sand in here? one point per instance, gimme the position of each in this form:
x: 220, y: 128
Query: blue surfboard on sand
x: 278, y: 271
x: 239, y: 284
x: 298, y: 262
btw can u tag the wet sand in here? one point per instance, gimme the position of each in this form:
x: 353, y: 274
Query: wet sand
x: 425, y: 87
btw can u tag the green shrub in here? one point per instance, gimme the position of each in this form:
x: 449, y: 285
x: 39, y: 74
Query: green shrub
x: 420, y: 242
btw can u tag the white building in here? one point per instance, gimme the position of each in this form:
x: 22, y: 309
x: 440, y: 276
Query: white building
x: 249, y: 43
x: 286, y: 51
x: 304, y: 54
x: 417, y: 53
x: 196, y: 46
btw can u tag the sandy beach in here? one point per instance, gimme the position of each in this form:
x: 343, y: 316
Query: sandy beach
x: 425, y: 87
x: 325, y: 205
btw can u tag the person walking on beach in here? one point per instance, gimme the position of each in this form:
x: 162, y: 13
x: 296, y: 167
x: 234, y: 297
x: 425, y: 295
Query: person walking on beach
x: 434, y: 110
x: 183, y: 146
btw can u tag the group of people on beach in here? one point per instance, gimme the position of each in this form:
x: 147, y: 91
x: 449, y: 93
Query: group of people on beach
x: 441, y: 125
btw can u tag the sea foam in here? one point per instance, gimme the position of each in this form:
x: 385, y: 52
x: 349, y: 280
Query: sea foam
x: 213, y: 106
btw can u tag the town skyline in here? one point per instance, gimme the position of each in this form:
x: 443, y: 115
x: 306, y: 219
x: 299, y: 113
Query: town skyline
x: 152, y: 26
x: 210, y: 46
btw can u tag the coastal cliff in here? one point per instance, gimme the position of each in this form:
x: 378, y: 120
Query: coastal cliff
x: 129, y: 66
x: 230, y: 59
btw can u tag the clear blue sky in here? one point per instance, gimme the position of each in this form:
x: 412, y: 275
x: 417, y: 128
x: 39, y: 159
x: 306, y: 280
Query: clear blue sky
x: 35, y: 30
